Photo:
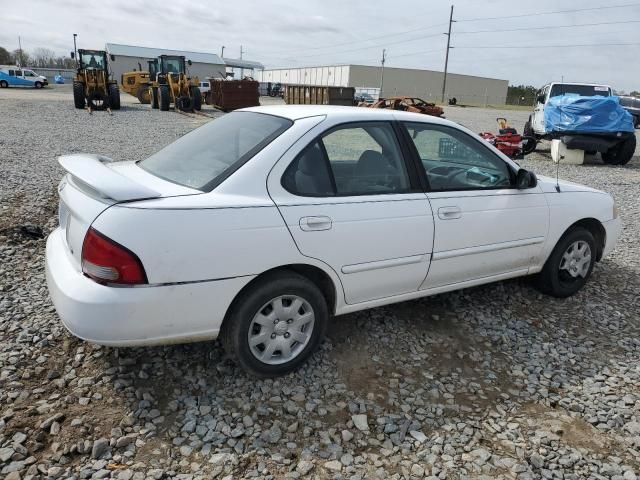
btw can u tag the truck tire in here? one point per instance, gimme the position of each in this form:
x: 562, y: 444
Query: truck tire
x: 78, y: 95
x: 114, y: 97
x: 38, y: 85
x: 621, y: 153
x: 163, y: 97
x: 153, y: 95
x: 196, y: 98
x: 4, y: 84
x: 142, y: 94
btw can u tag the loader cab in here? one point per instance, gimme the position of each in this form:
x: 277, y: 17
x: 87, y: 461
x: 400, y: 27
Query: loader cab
x: 92, y: 60
x: 153, y: 69
x: 174, y: 65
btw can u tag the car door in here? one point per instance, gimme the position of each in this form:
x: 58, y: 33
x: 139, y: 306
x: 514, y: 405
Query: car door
x: 350, y: 199
x: 485, y: 228
x: 538, y: 111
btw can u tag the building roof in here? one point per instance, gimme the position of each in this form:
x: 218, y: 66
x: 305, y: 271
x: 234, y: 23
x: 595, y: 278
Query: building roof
x: 147, y: 52
x: 242, y: 63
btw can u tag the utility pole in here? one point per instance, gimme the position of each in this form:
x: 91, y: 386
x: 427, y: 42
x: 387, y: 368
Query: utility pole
x: 384, y: 57
x: 446, y: 57
x: 222, y: 52
x: 20, y: 49
x: 241, y: 69
x: 75, y: 50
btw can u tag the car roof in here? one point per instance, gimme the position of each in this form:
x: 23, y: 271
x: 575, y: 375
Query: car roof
x: 579, y: 83
x: 296, y: 112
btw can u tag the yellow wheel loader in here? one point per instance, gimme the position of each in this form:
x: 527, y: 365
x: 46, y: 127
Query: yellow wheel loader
x: 137, y: 83
x: 91, y: 85
x: 172, y: 86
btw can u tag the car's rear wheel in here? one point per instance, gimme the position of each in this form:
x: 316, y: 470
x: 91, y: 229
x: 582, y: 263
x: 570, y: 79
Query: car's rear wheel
x: 570, y: 264
x: 4, y: 84
x: 276, y: 325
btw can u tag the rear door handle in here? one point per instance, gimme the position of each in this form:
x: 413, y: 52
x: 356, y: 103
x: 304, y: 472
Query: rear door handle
x: 449, y: 213
x: 310, y: 224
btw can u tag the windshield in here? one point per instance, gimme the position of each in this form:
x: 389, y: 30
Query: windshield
x: 92, y: 60
x: 206, y: 156
x: 172, y: 65
x: 560, y: 89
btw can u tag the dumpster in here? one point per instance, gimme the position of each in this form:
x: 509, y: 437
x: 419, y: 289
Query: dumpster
x: 318, y: 95
x: 228, y: 95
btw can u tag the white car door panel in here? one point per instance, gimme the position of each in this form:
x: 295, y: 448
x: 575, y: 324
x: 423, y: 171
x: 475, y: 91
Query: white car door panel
x: 484, y: 226
x: 347, y: 202
x: 379, y: 247
x: 496, y: 232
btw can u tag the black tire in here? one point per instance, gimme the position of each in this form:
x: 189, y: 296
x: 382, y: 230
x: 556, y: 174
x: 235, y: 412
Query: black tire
x: 38, y: 85
x: 114, y: 97
x: 4, y: 84
x: 78, y: 95
x: 142, y: 94
x: 184, y: 103
x: 196, y: 98
x: 529, y: 144
x: 163, y: 98
x: 237, y: 325
x: 153, y: 93
x: 560, y: 283
x: 621, y: 153
x: 636, y: 121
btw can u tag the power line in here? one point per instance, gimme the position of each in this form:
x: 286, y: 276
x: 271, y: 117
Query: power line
x: 368, y: 39
x: 466, y: 47
x: 550, y: 27
x: 550, y: 13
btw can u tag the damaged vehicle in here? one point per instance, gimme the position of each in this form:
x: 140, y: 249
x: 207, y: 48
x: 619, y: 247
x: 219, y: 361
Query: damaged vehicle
x: 259, y: 226
x: 408, y: 104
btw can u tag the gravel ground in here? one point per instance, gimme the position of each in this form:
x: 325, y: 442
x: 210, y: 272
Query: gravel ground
x: 490, y: 382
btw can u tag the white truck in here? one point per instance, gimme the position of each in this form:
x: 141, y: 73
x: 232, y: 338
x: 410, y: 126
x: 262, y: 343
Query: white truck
x: 616, y: 148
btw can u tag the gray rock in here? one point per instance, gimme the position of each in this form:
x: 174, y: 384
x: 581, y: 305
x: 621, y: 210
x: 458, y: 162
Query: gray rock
x: 360, y: 422
x: 100, y: 448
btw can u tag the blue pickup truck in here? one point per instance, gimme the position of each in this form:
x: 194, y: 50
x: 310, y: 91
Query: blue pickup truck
x: 12, y: 76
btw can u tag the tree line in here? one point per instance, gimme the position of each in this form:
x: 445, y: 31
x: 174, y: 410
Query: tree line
x: 38, y: 57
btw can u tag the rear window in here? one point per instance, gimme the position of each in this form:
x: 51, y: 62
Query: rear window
x: 630, y: 102
x: 203, y: 158
x: 560, y: 89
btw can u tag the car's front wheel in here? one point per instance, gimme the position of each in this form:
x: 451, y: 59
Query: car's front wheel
x: 570, y: 264
x: 276, y: 325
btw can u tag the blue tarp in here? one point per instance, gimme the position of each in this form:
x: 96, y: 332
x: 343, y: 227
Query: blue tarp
x: 577, y: 114
x: 59, y: 79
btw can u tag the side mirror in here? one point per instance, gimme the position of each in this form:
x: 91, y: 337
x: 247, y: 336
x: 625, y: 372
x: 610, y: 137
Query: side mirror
x: 189, y: 62
x: 73, y: 55
x: 112, y: 57
x: 525, y: 179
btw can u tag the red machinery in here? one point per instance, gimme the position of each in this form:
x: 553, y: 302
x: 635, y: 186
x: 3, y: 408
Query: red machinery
x: 509, y: 141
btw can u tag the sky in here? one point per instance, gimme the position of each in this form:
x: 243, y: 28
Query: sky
x: 328, y: 32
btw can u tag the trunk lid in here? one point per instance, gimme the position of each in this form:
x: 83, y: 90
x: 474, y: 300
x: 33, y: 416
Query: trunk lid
x: 94, y: 183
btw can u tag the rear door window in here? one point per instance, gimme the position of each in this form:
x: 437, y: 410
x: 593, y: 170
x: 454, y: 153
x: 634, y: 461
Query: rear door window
x: 363, y: 159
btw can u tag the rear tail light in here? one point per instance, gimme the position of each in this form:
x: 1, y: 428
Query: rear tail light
x: 106, y: 261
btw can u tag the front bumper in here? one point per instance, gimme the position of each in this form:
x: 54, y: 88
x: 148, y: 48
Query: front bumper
x: 129, y: 316
x: 612, y: 228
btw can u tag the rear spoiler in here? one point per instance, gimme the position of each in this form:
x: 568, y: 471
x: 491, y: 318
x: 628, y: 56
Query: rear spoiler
x: 92, y: 170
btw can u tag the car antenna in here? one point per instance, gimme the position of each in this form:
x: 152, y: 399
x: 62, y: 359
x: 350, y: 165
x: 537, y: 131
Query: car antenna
x: 560, y: 157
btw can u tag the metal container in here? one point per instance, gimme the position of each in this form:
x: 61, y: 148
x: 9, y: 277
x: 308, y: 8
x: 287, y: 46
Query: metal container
x: 318, y: 95
x: 228, y: 95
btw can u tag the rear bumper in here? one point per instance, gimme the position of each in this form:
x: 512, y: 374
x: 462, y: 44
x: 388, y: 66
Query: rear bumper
x: 129, y: 316
x: 613, y: 228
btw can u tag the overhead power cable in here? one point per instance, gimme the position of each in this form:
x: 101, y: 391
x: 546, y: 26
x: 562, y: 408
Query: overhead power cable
x: 549, y: 27
x: 466, y: 47
x: 602, y: 7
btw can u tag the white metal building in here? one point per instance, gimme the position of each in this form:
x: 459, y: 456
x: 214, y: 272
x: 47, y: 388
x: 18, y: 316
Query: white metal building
x: 426, y: 84
x: 128, y: 57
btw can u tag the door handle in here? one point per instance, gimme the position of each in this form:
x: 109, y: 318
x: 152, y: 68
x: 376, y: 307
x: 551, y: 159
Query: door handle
x: 310, y: 224
x: 449, y: 213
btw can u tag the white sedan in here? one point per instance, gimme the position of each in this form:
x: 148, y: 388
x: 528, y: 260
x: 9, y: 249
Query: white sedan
x: 259, y: 226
